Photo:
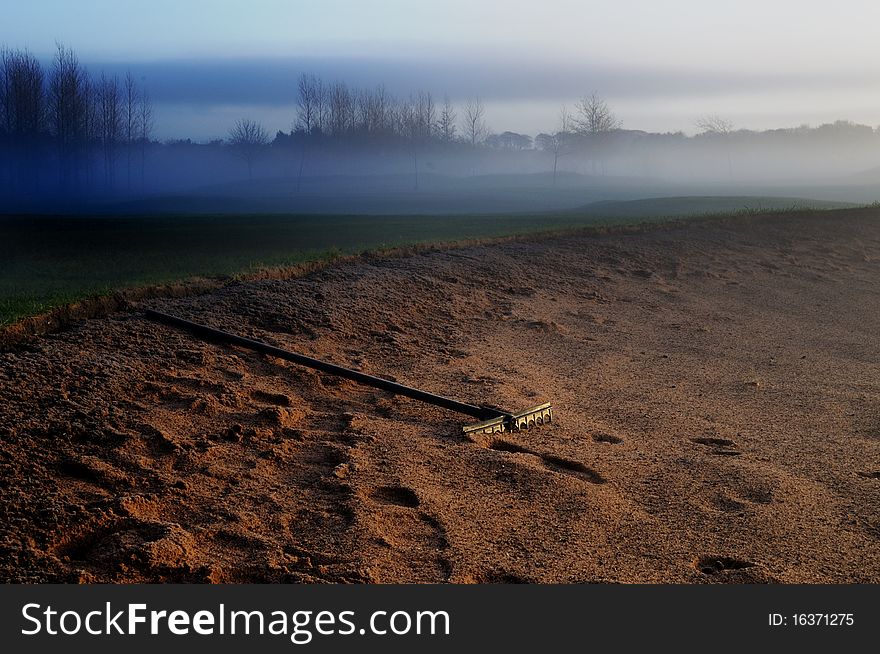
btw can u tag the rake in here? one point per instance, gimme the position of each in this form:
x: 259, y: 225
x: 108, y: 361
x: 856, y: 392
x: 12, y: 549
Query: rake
x: 492, y: 421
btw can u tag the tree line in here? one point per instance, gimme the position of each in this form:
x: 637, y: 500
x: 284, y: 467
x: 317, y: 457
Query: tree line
x: 329, y: 113
x: 63, y: 128
x: 335, y: 110
x: 80, y: 130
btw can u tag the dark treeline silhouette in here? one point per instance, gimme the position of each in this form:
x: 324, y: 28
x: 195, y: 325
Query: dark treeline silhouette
x: 334, y: 116
x: 66, y: 132
x: 68, y: 135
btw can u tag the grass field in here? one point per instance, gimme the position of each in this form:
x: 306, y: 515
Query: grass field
x: 48, y: 261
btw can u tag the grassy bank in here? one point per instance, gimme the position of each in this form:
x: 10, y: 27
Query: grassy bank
x: 48, y: 261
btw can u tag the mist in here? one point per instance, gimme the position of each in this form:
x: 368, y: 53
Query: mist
x: 385, y: 135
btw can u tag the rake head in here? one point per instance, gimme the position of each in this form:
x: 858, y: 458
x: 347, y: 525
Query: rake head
x: 504, y: 422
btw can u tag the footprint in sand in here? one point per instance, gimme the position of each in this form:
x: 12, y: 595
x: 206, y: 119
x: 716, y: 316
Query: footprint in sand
x: 396, y: 495
x: 728, y: 569
x: 411, y: 536
x: 713, y: 565
x: 573, y: 468
x: 276, y: 399
x: 506, y: 446
x: 607, y: 438
x: 147, y: 545
x: 96, y: 471
x: 721, y: 446
x: 723, y: 502
x: 559, y: 464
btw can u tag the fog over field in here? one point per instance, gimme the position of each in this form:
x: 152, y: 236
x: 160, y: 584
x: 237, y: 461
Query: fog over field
x: 337, y: 109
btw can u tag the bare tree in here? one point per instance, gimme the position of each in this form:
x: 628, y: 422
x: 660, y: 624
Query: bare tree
x: 22, y: 93
x: 69, y: 110
x: 6, y: 120
x: 371, y: 111
x: 426, y: 115
x: 22, y: 113
x: 418, y: 120
x: 341, y: 109
x: 408, y: 115
x: 714, y: 124
x: 7, y: 74
x: 145, y: 128
x: 595, y: 121
x: 446, y: 123
x: 130, y: 120
x: 363, y: 118
x: 308, y: 117
x: 474, y: 121
x: 248, y: 139
x: 308, y: 87
x: 594, y: 116
x: 558, y: 143
x: 379, y: 103
x: 110, y: 123
x: 719, y: 127
x: 84, y: 162
x: 322, y: 105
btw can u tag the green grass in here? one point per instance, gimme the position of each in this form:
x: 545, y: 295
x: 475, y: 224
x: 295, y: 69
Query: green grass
x: 48, y: 261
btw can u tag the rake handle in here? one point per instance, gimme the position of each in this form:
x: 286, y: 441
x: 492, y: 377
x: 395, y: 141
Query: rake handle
x: 220, y: 336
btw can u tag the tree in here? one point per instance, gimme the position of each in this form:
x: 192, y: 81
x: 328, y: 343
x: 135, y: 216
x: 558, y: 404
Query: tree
x: 22, y: 113
x: 380, y: 103
x: 145, y: 127
x: 248, y: 138
x: 371, y: 109
x: 558, y: 143
x: 716, y: 126
x: 109, y: 123
x: 426, y: 114
x: 310, y: 104
x: 22, y: 95
x: 341, y: 109
x: 594, y: 117
x: 474, y: 121
x: 446, y: 124
x: 595, y: 121
x: 69, y: 110
x: 130, y: 97
x: 305, y: 113
x: 417, y: 117
x: 308, y: 116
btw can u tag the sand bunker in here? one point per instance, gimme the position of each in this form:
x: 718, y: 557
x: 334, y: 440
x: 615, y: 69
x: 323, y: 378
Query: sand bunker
x: 717, y: 398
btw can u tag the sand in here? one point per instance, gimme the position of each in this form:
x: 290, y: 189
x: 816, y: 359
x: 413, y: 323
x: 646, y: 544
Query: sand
x: 716, y: 389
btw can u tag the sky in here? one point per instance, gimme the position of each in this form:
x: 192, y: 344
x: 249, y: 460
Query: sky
x: 660, y: 65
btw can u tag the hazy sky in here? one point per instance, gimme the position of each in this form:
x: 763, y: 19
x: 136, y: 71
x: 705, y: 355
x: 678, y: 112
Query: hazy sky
x: 660, y: 63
